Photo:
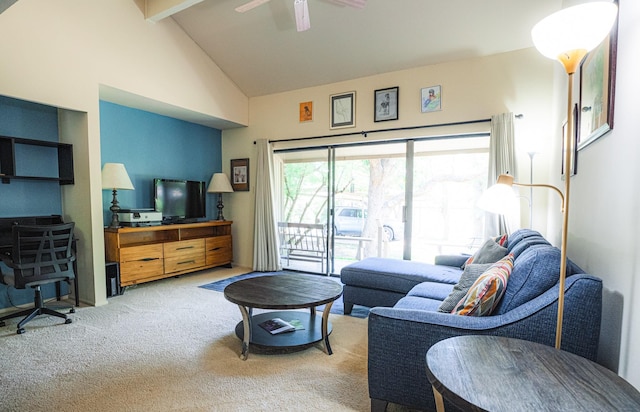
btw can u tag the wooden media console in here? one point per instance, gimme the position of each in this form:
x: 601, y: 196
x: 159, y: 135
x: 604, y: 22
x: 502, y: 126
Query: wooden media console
x: 157, y: 252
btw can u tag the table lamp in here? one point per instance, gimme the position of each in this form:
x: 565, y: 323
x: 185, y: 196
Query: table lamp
x: 219, y: 184
x: 115, y: 177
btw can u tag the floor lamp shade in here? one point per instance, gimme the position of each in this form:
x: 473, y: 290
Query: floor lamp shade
x: 115, y: 177
x: 576, y: 29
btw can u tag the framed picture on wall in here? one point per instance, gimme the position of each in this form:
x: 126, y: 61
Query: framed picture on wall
x: 306, y: 112
x: 240, y: 175
x: 597, y: 90
x: 386, y: 104
x: 431, y: 99
x: 343, y: 110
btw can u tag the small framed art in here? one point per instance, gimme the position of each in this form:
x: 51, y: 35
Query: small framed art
x: 386, y: 104
x: 431, y: 99
x: 240, y: 175
x: 306, y: 112
x: 343, y: 110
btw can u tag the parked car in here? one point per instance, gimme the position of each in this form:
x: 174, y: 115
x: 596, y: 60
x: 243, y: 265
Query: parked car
x: 349, y: 221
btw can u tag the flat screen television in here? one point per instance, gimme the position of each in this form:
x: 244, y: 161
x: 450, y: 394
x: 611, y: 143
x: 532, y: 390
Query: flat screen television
x: 180, y: 200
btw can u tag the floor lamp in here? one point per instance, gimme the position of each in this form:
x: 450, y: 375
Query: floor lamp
x: 567, y: 36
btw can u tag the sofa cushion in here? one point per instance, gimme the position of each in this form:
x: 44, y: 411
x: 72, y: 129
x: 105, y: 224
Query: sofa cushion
x: 470, y: 274
x: 418, y: 303
x: 525, y: 244
x: 535, y: 271
x: 517, y: 236
x: 489, y: 252
x: 485, y: 293
x: 431, y: 290
x: 395, y: 274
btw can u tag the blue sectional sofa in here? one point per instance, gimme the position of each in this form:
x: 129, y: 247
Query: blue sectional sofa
x: 404, y: 322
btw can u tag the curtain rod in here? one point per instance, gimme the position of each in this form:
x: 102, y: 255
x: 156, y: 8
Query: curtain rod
x: 365, y: 132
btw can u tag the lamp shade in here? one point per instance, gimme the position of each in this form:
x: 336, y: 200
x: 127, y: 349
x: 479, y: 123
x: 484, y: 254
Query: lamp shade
x: 499, y: 198
x: 580, y: 27
x: 219, y: 184
x: 114, y: 176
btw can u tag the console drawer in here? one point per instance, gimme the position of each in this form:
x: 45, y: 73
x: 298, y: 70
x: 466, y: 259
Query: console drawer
x: 219, y: 250
x: 140, y: 262
x: 183, y: 255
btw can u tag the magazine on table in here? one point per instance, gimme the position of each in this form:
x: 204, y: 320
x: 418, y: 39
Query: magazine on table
x: 277, y: 325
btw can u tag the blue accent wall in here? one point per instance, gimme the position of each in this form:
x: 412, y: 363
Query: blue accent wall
x: 28, y: 120
x: 155, y: 146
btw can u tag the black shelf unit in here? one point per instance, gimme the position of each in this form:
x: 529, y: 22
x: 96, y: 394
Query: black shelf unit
x: 8, y: 160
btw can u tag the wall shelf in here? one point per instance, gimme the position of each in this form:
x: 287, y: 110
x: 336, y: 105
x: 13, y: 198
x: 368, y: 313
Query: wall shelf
x: 10, y: 163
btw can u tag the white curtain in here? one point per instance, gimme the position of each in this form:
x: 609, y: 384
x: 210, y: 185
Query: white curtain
x: 502, y: 160
x: 265, y: 240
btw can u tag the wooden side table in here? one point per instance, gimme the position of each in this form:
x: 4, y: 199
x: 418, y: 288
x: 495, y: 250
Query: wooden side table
x: 491, y: 373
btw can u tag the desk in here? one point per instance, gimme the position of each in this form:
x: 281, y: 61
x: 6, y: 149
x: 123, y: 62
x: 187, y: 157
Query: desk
x: 496, y: 374
x: 6, y: 241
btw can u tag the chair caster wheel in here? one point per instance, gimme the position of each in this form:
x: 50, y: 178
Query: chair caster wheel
x: 68, y: 321
x: 72, y: 310
x: 20, y: 331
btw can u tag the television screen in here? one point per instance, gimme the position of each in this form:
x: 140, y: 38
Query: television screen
x: 180, y: 199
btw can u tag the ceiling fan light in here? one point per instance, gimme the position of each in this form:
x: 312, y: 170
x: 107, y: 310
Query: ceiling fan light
x: 302, y: 15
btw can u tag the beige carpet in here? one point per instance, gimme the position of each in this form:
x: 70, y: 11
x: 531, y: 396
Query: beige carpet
x: 170, y: 346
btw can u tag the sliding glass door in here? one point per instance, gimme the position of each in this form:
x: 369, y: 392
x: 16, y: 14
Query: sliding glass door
x: 410, y: 199
x: 448, y: 178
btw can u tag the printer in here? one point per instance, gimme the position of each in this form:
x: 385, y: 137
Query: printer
x: 139, y: 217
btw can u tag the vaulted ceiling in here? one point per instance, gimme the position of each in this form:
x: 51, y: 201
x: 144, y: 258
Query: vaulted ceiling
x: 261, y: 51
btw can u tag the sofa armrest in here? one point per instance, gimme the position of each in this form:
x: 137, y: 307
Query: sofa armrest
x: 451, y: 260
x: 399, y: 338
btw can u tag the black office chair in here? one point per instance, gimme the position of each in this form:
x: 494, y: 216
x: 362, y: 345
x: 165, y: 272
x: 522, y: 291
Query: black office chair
x: 39, y: 255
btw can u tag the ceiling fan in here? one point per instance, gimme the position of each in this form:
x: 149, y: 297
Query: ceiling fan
x: 301, y: 9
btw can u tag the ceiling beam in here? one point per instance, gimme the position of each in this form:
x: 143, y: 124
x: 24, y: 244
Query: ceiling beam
x: 156, y: 10
x: 5, y: 4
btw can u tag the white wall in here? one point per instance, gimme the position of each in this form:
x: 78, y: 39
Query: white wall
x: 61, y: 53
x: 519, y: 82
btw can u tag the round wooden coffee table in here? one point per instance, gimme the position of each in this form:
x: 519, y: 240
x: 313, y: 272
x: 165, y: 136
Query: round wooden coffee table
x: 492, y: 373
x: 283, y: 292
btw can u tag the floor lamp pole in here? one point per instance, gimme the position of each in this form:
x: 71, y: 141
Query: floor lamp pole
x: 568, y: 154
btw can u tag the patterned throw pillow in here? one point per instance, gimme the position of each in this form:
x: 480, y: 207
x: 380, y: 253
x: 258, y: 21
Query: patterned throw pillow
x: 491, y: 251
x: 471, y: 273
x: 485, y: 293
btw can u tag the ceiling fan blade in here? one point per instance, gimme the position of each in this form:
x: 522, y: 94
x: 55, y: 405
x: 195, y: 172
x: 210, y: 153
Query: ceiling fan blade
x: 251, y: 5
x: 302, y: 15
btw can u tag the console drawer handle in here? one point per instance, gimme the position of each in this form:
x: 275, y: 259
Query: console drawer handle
x: 214, y: 249
x: 186, y: 262
x: 184, y: 247
x: 149, y: 259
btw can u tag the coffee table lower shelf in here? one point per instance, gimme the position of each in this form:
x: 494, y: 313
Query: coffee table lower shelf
x: 287, y: 341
